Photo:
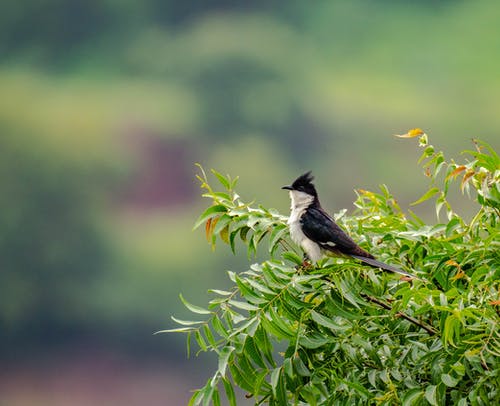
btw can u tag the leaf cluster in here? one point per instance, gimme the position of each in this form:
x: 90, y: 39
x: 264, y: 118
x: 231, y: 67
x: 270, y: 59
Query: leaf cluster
x: 341, y: 333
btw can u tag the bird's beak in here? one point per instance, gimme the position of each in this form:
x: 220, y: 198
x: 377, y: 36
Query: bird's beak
x: 287, y: 188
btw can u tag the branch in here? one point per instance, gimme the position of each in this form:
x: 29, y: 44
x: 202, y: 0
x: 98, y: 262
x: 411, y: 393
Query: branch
x: 411, y: 319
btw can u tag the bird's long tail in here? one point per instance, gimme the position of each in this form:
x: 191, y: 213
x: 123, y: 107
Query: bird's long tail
x: 382, y: 265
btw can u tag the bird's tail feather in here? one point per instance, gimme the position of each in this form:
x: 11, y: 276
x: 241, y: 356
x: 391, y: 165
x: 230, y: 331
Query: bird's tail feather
x: 382, y: 265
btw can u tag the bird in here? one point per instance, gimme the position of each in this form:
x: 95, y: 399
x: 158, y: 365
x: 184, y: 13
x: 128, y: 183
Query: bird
x: 317, y: 233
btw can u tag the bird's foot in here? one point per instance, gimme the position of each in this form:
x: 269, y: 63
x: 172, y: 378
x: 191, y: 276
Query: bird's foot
x: 306, y: 262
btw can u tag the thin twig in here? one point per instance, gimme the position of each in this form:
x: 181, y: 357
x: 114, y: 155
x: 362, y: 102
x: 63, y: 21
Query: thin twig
x: 411, y: 319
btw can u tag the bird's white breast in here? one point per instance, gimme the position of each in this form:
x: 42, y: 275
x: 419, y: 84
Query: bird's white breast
x: 300, y: 202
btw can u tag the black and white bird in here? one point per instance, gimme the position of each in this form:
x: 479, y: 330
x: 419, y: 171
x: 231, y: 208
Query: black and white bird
x: 316, y: 232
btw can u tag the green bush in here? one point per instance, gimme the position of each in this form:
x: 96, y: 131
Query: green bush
x: 343, y: 333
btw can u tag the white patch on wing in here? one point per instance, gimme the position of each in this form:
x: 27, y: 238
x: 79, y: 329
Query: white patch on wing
x: 330, y: 244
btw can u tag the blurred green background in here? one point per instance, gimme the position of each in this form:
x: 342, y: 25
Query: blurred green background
x: 105, y: 107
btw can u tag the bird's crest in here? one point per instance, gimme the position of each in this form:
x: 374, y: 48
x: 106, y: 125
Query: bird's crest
x: 303, y: 181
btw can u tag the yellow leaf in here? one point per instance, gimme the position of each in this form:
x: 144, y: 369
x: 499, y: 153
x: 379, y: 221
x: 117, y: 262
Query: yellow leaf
x: 415, y: 132
x: 456, y: 171
x: 460, y: 274
x: 208, y: 227
x: 224, y: 234
x: 367, y: 193
x: 466, y: 178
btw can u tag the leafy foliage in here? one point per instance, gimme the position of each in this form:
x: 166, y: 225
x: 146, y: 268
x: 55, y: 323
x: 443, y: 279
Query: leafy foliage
x: 342, y: 333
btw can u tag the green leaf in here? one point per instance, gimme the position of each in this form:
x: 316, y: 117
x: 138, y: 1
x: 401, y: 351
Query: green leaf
x: 243, y: 233
x: 313, y: 342
x: 209, y: 336
x: 248, y: 293
x: 252, y: 327
x: 347, y: 291
x: 357, y: 387
x: 240, y: 379
x: 273, y: 279
x: 211, y: 392
x: 426, y: 196
x: 186, y: 322
x: 222, y: 223
x: 412, y: 396
x: 310, y: 394
x: 428, y: 151
x: 451, y: 330
x: 292, y: 257
x: 243, y: 305
x: 300, y: 367
x: 224, y: 355
x: 340, y: 309
x: 196, y: 398
x: 280, y: 322
x: 431, y: 395
x: 275, y: 330
x: 219, y: 327
x: 292, y: 300
x: 440, y: 201
x: 452, y: 225
x: 176, y: 330
x: 261, y: 287
x: 459, y: 368
x: 281, y: 390
x: 228, y: 387
x: 276, y: 234
x: 200, y: 340
x: 252, y: 352
x: 207, y: 391
x: 234, y: 182
x: 252, y: 247
x: 208, y: 213
x: 260, y: 384
x: 372, y: 378
x: 327, y: 322
x: 220, y: 292
x: 262, y: 341
x: 232, y: 237
x: 449, y: 381
x: 223, y: 180
x: 288, y: 367
x: 215, y: 398
x: 219, y: 195
x: 194, y: 308
x: 275, y: 375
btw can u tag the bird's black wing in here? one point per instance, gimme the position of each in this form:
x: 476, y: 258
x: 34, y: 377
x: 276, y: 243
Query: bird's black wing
x: 319, y: 227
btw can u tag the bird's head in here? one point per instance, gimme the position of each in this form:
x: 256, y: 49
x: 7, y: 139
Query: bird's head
x: 303, y: 185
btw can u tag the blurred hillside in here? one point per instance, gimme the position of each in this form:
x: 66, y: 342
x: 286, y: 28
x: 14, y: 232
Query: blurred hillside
x: 107, y: 105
